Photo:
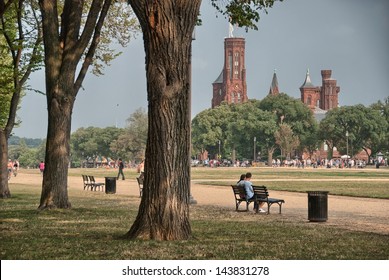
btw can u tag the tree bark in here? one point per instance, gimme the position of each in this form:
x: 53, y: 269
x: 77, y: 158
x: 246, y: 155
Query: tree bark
x: 55, y: 176
x: 4, y: 189
x: 270, y: 152
x: 167, y: 32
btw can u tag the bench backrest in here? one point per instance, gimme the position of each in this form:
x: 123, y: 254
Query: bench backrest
x: 239, y: 192
x: 261, y: 191
x: 92, y: 179
x: 85, y: 178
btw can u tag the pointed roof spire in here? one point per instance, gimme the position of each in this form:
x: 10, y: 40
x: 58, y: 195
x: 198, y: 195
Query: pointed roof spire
x: 274, y: 85
x: 307, y: 82
x: 219, y: 79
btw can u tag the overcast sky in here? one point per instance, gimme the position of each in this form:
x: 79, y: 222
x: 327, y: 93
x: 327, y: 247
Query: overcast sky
x: 350, y: 37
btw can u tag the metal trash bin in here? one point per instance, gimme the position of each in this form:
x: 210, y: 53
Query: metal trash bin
x: 317, y: 206
x: 110, y: 184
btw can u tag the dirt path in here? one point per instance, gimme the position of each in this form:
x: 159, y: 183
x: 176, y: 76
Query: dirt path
x: 362, y: 214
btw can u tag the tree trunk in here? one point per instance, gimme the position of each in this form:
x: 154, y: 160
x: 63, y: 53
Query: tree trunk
x: 4, y: 189
x: 270, y: 152
x: 167, y: 32
x: 65, y: 43
x: 55, y: 176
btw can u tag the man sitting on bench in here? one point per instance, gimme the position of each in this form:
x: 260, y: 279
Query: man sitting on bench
x: 248, y: 186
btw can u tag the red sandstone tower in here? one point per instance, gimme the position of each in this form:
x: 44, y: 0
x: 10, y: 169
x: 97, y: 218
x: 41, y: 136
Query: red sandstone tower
x: 230, y: 86
x: 329, y: 91
x: 324, y: 97
x: 310, y: 95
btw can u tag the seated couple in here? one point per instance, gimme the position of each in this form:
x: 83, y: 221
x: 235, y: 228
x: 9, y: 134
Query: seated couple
x: 245, y: 181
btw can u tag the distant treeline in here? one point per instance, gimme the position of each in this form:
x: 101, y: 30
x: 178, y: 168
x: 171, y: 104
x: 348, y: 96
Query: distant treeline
x: 30, y: 142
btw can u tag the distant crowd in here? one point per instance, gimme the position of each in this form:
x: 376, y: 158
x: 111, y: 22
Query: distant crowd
x: 323, y: 163
x: 298, y: 163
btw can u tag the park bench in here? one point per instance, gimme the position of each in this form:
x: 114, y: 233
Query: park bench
x: 261, y: 194
x: 240, y: 196
x: 94, y: 184
x: 87, y: 183
x: 140, y: 184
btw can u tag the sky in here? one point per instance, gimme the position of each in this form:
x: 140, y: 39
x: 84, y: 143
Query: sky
x: 349, y: 37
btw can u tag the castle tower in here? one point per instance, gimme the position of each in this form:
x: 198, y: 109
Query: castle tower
x: 310, y: 95
x: 329, y: 91
x: 230, y: 86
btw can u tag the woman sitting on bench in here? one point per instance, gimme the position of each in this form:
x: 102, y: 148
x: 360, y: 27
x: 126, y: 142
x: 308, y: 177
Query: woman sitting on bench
x: 248, y: 186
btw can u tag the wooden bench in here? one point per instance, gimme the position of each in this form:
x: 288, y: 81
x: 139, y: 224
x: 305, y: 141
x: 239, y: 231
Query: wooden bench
x: 240, y: 196
x: 262, y: 195
x: 94, y: 184
x: 87, y: 184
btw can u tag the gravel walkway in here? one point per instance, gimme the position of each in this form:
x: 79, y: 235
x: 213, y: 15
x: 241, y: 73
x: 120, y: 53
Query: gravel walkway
x: 361, y: 214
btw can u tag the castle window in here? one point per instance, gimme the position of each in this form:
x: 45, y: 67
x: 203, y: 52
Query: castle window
x: 236, y: 72
x: 230, y: 64
x: 232, y: 97
x: 309, y: 100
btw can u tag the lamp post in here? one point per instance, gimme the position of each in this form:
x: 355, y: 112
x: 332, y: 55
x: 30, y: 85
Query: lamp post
x: 347, y: 147
x: 255, y: 140
x: 218, y: 156
x: 191, y: 198
x: 116, y: 119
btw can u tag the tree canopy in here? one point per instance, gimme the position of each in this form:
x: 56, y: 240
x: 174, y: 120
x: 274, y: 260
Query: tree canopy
x: 357, y: 127
x: 239, y: 125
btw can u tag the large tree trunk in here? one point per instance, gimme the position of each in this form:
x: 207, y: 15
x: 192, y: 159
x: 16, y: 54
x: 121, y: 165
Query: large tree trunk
x: 167, y: 32
x: 55, y: 177
x: 4, y: 189
x: 64, y: 47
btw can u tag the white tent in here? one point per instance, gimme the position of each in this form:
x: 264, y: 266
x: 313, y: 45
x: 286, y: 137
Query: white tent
x: 345, y: 156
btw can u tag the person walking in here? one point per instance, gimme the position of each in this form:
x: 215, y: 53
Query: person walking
x: 15, y: 167
x: 121, y: 166
x: 42, y: 167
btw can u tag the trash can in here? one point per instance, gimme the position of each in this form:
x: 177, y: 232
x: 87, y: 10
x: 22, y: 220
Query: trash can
x: 110, y: 184
x: 317, y: 206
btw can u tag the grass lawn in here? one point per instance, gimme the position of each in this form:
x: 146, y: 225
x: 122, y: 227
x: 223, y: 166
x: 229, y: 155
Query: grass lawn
x: 94, y: 227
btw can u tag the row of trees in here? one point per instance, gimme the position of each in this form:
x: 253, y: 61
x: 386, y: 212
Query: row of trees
x: 275, y: 124
x: 27, y: 156
x: 284, y: 125
x: 127, y: 143
x: 89, y: 143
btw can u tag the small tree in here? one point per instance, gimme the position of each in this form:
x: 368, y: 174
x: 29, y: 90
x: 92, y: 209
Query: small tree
x: 131, y: 144
x: 286, y: 140
x: 68, y: 42
x: 366, y: 128
x: 20, y: 48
